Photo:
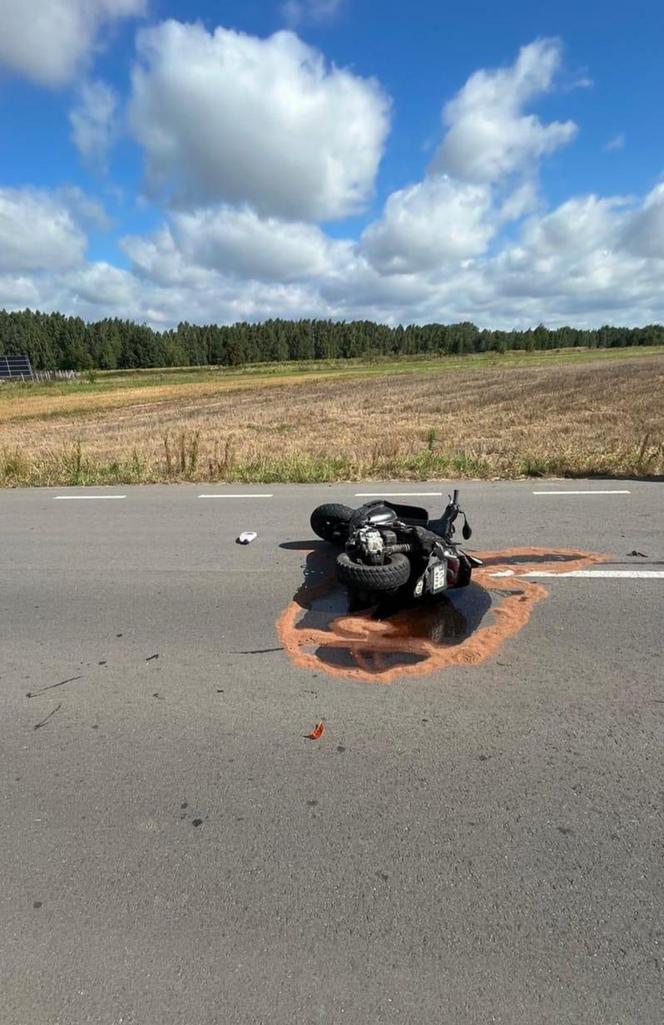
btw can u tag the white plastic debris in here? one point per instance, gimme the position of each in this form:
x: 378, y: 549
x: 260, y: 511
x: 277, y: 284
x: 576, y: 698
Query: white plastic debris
x: 246, y: 537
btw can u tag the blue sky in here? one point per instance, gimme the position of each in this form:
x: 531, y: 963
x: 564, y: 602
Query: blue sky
x: 403, y: 162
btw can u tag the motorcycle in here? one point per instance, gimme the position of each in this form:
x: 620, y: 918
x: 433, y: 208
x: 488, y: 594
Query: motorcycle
x: 395, y: 550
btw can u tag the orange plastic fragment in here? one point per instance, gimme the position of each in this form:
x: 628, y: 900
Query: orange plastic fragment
x: 317, y: 732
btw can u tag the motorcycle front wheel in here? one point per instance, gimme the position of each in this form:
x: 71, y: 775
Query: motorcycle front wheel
x: 389, y: 577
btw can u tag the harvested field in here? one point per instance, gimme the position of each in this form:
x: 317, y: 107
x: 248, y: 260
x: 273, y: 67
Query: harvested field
x: 553, y: 417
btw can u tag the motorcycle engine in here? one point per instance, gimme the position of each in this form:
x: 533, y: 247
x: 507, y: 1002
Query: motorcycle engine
x: 371, y: 544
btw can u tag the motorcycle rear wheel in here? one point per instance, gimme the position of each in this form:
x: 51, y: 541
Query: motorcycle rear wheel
x: 330, y: 522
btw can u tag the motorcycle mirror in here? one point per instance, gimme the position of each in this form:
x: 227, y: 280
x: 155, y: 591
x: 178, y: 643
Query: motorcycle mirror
x: 467, y: 530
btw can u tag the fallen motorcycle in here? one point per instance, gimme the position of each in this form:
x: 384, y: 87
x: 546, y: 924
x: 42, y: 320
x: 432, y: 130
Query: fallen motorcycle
x: 396, y: 550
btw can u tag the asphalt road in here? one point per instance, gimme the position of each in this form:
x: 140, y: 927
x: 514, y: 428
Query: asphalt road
x: 478, y: 845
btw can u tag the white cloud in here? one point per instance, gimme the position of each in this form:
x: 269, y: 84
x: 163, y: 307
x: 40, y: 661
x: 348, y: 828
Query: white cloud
x: 522, y: 200
x: 488, y: 134
x: 103, y: 285
x: 295, y: 12
x: 240, y: 242
x: 588, y: 261
x: 157, y: 258
x: 49, y: 40
x: 585, y: 263
x: 87, y: 212
x: 233, y: 118
x: 580, y: 225
x: 617, y: 142
x: 429, y: 224
x: 644, y: 233
x: 18, y: 292
x: 453, y: 217
x: 480, y: 246
x: 37, y: 232
x: 94, y: 123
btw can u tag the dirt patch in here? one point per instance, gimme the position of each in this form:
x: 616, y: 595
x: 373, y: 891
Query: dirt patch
x: 381, y: 644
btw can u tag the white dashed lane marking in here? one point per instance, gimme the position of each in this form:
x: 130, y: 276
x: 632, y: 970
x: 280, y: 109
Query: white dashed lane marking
x: 582, y: 492
x: 398, y: 494
x: 86, y: 498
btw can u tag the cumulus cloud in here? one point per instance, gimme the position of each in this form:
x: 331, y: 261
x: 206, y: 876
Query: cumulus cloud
x: 48, y: 40
x: 477, y: 244
x: 587, y: 262
x: 434, y: 222
x: 488, y: 134
x: 37, y: 232
x: 233, y: 118
x: 158, y: 258
x: 590, y: 260
x: 94, y: 123
x: 18, y: 292
x: 489, y: 141
x: 644, y: 233
x: 200, y: 247
x: 242, y: 243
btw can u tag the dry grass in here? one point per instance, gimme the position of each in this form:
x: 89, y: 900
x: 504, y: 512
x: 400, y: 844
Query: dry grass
x: 561, y: 418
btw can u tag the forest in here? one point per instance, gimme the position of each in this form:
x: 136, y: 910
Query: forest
x: 54, y: 341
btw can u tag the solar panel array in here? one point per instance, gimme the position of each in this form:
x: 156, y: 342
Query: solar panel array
x: 15, y: 368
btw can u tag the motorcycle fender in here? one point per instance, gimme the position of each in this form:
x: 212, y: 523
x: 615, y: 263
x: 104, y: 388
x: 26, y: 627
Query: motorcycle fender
x: 412, y: 514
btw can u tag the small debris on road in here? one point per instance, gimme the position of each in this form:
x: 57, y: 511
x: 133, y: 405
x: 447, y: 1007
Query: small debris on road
x: 151, y: 658
x: 51, y: 686
x: 257, y: 651
x: 246, y: 537
x: 317, y: 732
x: 50, y: 715
x: 638, y: 555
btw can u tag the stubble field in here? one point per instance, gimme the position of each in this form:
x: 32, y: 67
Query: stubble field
x: 569, y: 414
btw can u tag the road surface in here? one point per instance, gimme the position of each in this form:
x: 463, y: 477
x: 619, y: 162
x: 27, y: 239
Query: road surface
x: 479, y: 844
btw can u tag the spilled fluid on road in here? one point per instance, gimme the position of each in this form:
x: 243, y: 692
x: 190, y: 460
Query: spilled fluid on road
x: 320, y: 630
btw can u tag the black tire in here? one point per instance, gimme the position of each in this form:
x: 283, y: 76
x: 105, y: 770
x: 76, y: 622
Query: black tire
x: 330, y: 522
x: 388, y: 577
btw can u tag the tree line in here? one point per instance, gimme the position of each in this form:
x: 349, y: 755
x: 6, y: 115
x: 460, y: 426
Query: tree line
x: 54, y: 341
